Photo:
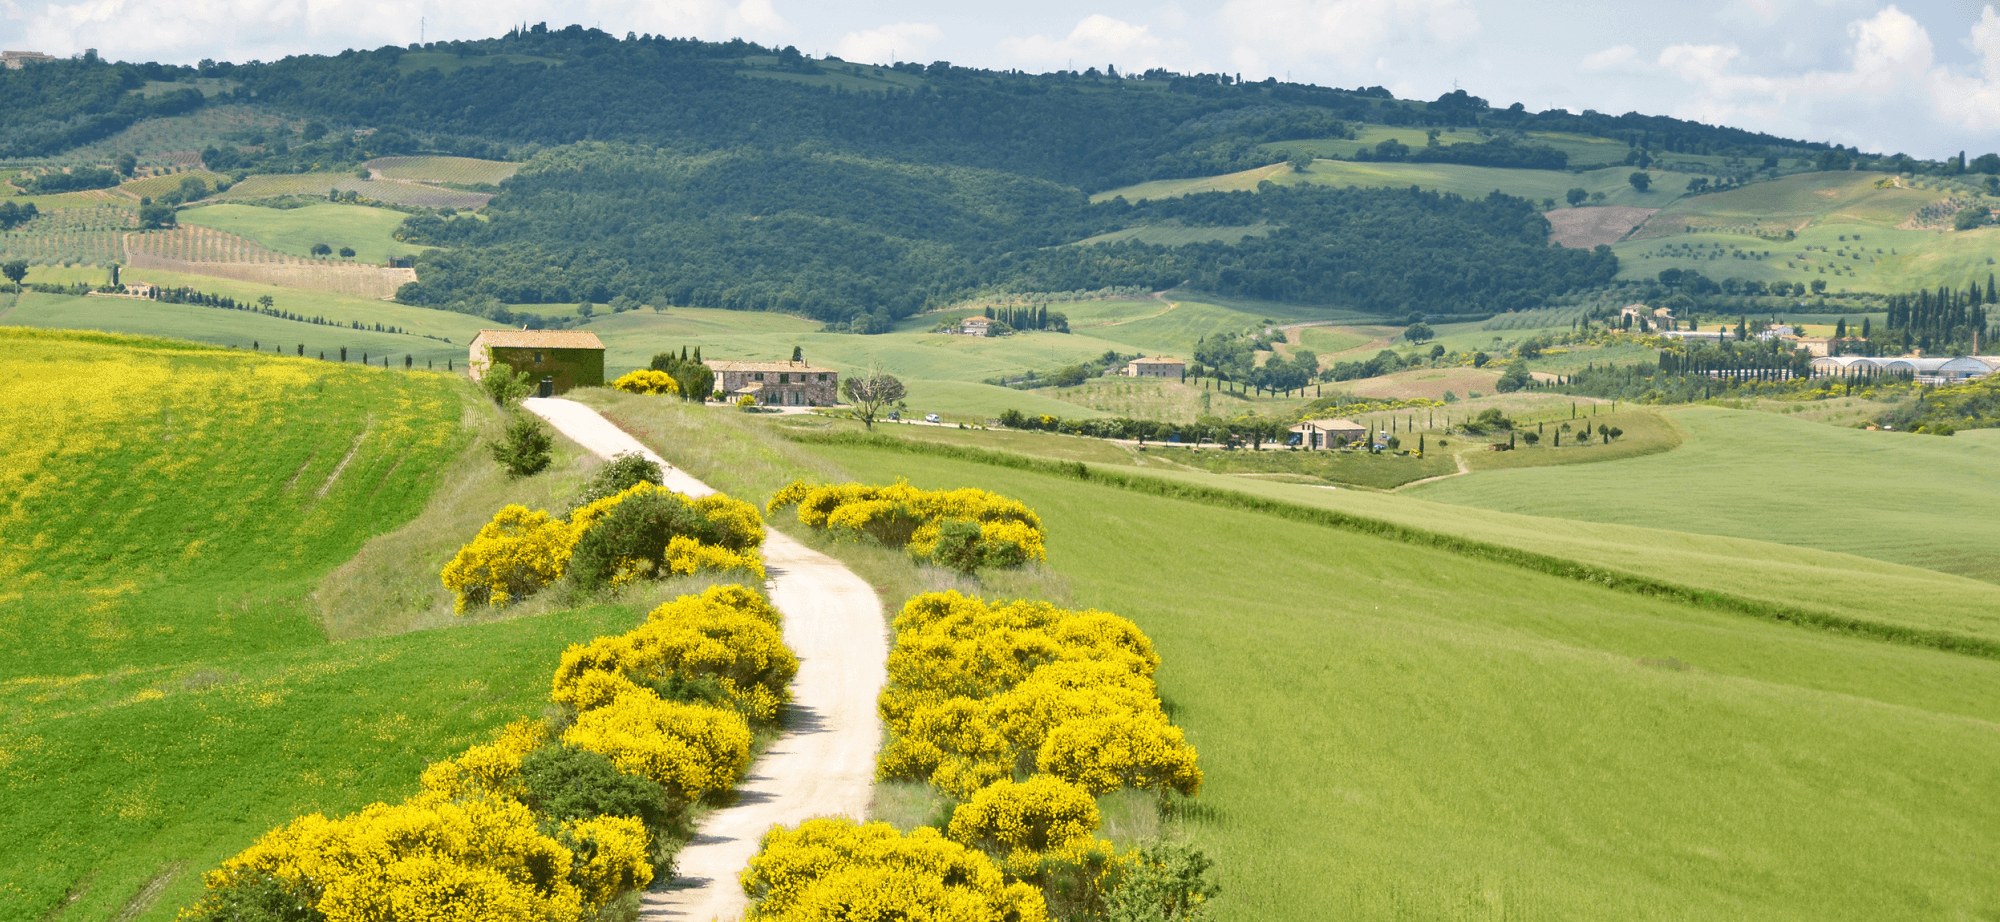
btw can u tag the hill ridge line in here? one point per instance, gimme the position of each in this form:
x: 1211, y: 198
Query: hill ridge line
x: 1550, y: 564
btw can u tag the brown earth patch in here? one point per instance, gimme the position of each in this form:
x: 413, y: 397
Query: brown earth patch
x: 1583, y: 228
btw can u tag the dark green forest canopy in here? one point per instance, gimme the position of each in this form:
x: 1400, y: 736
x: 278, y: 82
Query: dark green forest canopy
x: 839, y: 237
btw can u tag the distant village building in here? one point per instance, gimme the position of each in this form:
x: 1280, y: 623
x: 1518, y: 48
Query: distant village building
x: 778, y: 384
x: 1641, y: 310
x: 1328, y: 433
x: 139, y: 289
x: 1155, y: 367
x: 976, y: 326
x: 15, y: 60
x: 556, y: 361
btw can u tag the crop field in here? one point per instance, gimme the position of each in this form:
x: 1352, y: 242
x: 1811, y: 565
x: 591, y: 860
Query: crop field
x: 1167, y: 400
x: 89, y: 198
x: 1392, y: 731
x: 1583, y: 150
x: 1471, y: 181
x: 177, y: 141
x: 155, y: 186
x: 93, y: 236
x: 1915, y: 500
x: 266, y: 185
x: 1428, y: 383
x: 232, y: 329
x: 1329, y: 341
x: 369, y: 231
x: 1797, y: 202
x: 459, y: 170
x: 1847, y: 257
x: 197, y: 250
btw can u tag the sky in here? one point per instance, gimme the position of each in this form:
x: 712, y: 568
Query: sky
x: 1921, y: 78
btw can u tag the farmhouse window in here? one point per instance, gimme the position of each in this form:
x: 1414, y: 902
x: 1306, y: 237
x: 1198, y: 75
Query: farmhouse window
x: 784, y: 379
x: 760, y: 376
x: 538, y: 358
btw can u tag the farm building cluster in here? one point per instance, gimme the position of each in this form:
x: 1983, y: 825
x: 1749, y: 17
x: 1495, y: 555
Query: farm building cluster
x: 1922, y: 369
x: 777, y: 384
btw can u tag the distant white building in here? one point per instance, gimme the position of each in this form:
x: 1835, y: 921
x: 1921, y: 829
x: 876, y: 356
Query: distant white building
x: 1155, y: 367
x: 1328, y: 433
x: 976, y: 326
x: 15, y: 60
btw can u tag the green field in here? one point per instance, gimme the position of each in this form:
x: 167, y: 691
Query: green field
x: 458, y: 170
x: 1470, y: 181
x: 1173, y: 236
x: 1906, y: 499
x: 1395, y: 731
x: 237, y: 329
x: 1583, y: 150
x: 370, y: 231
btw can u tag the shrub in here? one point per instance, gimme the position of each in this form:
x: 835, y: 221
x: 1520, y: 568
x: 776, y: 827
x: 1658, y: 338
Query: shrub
x: 689, y: 750
x: 504, y: 384
x: 492, y: 769
x: 722, y: 646
x: 623, y: 472
x: 1164, y: 882
x: 514, y: 555
x: 1038, y: 814
x: 836, y: 868
x: 567, y: 783
x: 649, y: 531
x: 991, y: 530
x: 523, y: 447
x: 647, y: 381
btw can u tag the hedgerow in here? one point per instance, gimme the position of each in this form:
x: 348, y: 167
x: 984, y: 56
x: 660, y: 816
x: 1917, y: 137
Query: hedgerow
x: 936, y: 526
x: 542, y: 824
x: 644, y: 531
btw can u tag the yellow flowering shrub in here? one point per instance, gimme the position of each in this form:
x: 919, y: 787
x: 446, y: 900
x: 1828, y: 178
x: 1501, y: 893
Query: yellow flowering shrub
x: 647, y: 381
x: 514, y: 555
x: 722, y: 635
x: 1141, y: 751
x: 488, y: 769
x: 828, y: 869
x: 475, y: 860
x: 522, y: 551
x: 610, y: 856
x: 980, y: 693
x: 690, y: 750
x: 1038, y: 814
x: 901, y: 515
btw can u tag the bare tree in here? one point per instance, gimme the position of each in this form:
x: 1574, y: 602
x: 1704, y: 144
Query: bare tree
x: 871, y: 393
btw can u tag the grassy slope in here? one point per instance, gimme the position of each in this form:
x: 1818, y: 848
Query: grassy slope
x: 1396, y: 732
x: 166, y: 687
x: 1919, y: 501
x: 1442, y: 177
x: 295, y: 230
x: 231, y: 328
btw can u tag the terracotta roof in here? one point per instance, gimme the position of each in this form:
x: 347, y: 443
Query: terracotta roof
x: 538, y: 339
x: 976, y: 320
x: 1157, y: 360
x: 1333, y: 425
x: 801, y: 367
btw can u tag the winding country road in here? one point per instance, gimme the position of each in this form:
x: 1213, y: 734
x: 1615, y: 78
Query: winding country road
x: 824, y: 765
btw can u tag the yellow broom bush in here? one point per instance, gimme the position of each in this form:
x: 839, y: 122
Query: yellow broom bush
x: 829, y: 869
x: 488, y: 769
x: 514, y: 555
x: 647, y: 381
x: 690, y: 750
x: 1041, y: 813
x: 726, y: 635
x: 900, y: 515
x: 1139, y: 750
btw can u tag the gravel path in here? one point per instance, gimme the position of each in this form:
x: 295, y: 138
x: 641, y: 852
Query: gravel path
x: 824, y: 765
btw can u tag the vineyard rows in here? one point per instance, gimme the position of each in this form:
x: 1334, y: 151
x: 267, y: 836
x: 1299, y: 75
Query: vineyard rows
x: 71, y: 236
x: 204, y: 251
x: 461, y: 170
x: 156, y: 186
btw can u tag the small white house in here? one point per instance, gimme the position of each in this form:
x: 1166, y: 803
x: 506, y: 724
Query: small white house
x: 976, y: 326
x: 1155, y: 367
x: 1328, y: 433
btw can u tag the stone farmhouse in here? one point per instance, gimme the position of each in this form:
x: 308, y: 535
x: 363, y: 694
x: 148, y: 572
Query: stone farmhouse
x: 778, y: 384
x: 555, y: 360
x: 1155, y: 367
x: 976, y: 326
x: 1328, y: 433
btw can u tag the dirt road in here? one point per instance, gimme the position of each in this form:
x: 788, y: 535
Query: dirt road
x: 824, y: 765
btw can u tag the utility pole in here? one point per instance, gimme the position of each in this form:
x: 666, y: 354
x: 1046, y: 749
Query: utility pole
x: 421, y: 24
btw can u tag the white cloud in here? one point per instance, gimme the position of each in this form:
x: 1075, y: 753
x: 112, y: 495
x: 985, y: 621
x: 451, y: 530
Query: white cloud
x: 1343, y: 29
x: 1616, y: 56
x: 1097, y: 39
x: 903, y: 41
x: 1973, y: 102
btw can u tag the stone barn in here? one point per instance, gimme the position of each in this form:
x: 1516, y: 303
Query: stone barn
x: 555, y: 360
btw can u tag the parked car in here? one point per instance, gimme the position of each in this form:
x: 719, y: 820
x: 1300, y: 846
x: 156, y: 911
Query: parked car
x: 931, y: 418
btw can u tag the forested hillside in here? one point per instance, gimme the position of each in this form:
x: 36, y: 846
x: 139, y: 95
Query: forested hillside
x: 844, y: 238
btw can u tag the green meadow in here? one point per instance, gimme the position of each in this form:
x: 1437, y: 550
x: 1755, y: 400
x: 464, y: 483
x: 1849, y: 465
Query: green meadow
x: 1393, y: 729
x: 232, y: 329
x: 369, y: 231
x: 1470, y: 181
x: 1918, y: 500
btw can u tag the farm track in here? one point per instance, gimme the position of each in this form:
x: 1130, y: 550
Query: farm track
x: 1462, y: 471
x: 824, y: 764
